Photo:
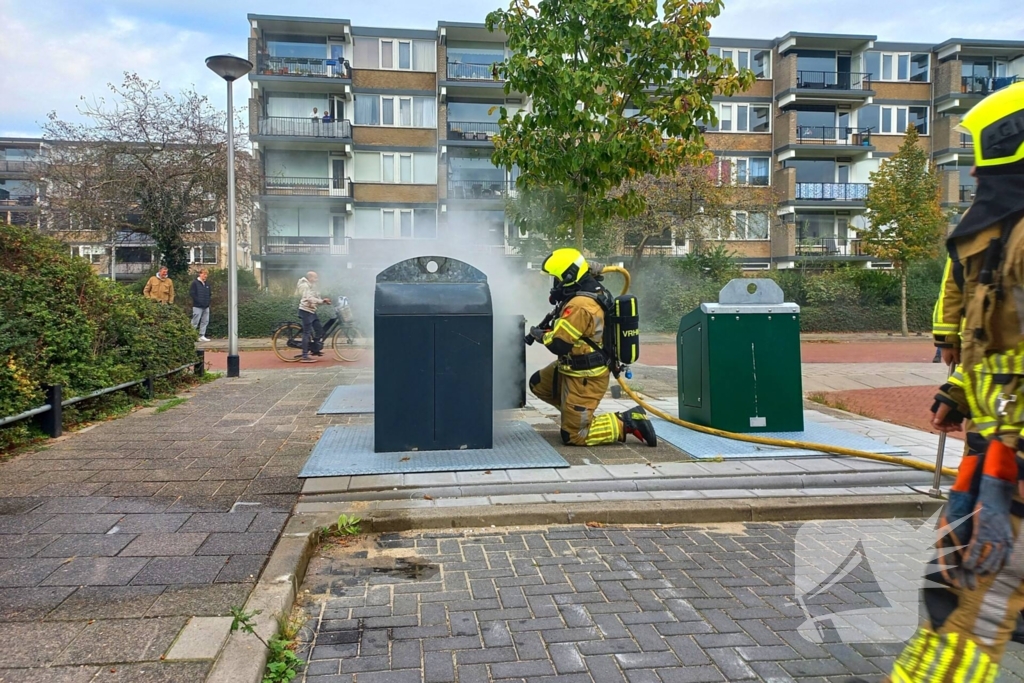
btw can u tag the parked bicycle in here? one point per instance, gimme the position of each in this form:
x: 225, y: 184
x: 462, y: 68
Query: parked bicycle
x: 346, y: 340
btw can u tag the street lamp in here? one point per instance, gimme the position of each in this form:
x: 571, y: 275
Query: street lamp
x: 231, y: 68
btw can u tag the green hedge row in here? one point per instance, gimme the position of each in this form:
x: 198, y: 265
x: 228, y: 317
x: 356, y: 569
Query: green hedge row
x: 61, y: 324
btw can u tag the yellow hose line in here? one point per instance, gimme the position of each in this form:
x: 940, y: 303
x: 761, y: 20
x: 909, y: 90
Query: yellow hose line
x: 750, y: 438
x: 621, y: 271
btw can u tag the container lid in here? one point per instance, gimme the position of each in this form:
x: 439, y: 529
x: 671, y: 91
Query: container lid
x: 432, y: 285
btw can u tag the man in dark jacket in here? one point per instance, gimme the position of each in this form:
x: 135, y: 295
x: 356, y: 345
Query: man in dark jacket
x: 200, y: 293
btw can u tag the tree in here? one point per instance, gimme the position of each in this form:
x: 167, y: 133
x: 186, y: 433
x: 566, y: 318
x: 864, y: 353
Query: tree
x: 145, y: 162
x: 905, y: 215
x: 609, y: 101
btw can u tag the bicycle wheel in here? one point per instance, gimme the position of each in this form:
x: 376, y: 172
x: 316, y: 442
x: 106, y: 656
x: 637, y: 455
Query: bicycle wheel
x: 349, y: 343
x: 287, y: 342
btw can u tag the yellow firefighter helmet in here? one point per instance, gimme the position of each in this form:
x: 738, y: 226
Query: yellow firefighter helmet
x: 997, y: 126
x: 567, y: 266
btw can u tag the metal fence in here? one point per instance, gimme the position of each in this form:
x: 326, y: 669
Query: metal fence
x: 983, y: 85
x: 303, y: 66
x: 833, y: 80
x: 301, y: 127
x: 51, y: 414
x: 308, y: 187
x: 472, y: 130
x: 844, y: 192
x: 967, y: 193
x: 480, y: 189
x: 459, y: 71
x: 828, y: 246
x: 832, y: 135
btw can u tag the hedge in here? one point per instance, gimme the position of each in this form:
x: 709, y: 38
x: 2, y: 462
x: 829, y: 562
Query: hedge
x: 61, y: 324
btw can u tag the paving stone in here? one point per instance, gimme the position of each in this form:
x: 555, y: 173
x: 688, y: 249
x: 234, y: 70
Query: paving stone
x: 35, y: 644
x: 107, y: 602
x: 87, y: 545
x: 61, y: 674
x: 238, y: 544
x: 154, y: 672
x: 241, y: 569
x: 25, y: 545
x: 151, y: 523
x: 179, y: 570
x: 212, y: 600
x: 30, y: 604
x: 164, y: 545
x: 96, y: 571
x: 219, y: 522
x: 201, y: 638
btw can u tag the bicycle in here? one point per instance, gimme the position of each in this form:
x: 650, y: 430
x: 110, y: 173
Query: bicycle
x: 347, y: 341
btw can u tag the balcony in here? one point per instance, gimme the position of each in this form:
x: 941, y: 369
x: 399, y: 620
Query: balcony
x: 966, y: 141
x: 831, y: 135
x: 462, y: 71
x: 303, y: 67
x: 17, y: 165
x: 985, y: 85
x: 477, y: 131
x: 841, y: 192
x: 301, y: 127
x: 481, y: 189
x: 17, y: 200
x: 828, y: 246
x: 308, y: 187
x: 829, y: 80
x: 967, y: 193
x: 304, y: 246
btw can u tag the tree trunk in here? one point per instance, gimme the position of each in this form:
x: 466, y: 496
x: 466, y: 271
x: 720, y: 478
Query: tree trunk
x: 578, y: 229
x: 638, y: 252
x: 903, y: 301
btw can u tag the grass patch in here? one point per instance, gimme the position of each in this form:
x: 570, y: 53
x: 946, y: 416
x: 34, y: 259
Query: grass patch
x: 208, y: 377
x: 828, y: 401
x: 174, y: 402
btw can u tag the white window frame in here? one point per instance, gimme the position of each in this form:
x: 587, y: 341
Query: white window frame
x: 734, y: 162
x: 734, y: 55
x: 895, y: 56
x: 92, y: 253
x: 395, y: 160
x: 200, y: 250
x: 733, y: 108
x: 396, y: 51
x: 895, y: 110
x: 734, y: 233
x: 397, y: 218
x: 197, y: 224
x: 396, y: 112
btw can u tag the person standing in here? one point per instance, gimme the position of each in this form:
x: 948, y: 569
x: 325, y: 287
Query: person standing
x: 160, y: 287
x: 200, y: 293
x: 972, y: 610
x: 312, y: 328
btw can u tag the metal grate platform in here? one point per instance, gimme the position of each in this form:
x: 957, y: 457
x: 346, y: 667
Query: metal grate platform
x: 348, y: 399
x: 708, y: 447
x: 348, y: 450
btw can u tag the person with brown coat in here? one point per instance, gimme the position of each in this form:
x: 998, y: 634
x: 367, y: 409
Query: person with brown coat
x: 160, y: 288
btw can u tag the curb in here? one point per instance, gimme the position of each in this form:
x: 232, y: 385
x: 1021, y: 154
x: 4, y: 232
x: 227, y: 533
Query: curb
x: 243, y: 658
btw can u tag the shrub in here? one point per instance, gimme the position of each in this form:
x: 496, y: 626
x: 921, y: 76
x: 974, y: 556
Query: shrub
x: 61, y: 324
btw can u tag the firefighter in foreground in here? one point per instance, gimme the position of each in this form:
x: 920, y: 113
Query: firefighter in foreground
x: 981, y: 553
x: 582, y: 331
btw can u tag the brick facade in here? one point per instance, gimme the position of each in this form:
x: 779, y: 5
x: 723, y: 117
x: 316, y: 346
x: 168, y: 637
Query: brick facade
x: 393, y: 136
x: 785, y: 73
x: 735, y: 142
x: 902, y: 92
x: 948, y: 78
x: 393, y: 192
x: 785, y: 129
x: 749, y: 248
x: 372, y: 79
x: 890, y: 144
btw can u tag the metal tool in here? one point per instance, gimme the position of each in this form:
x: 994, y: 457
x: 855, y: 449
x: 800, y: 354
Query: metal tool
x: 936, y: 490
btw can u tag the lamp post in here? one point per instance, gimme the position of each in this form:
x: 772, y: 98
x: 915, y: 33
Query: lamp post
x: 231, y: 68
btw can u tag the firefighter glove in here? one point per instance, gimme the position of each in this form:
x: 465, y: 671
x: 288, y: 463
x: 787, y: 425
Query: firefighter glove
x: 955, y: 526
x: 538, y: 333
x: 992, y: 539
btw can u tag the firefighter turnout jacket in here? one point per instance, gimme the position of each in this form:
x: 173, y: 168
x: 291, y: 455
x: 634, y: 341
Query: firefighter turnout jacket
x: 577, y: 330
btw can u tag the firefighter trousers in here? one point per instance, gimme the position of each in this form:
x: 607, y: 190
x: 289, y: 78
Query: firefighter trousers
x: 578, y: 398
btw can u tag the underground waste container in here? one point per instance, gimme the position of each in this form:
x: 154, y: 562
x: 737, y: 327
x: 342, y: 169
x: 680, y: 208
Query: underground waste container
x: 738, y: 361
x: 433, y: 357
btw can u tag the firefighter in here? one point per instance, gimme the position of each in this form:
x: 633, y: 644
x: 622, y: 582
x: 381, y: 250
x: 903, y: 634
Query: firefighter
x: 981, y: 558
x: 578, y: 380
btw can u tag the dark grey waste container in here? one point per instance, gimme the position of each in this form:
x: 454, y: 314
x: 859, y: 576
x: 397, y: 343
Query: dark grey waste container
x: 433, y: 357
x: 509, y: 362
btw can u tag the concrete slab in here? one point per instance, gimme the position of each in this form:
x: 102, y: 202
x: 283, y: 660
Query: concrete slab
x: 201, y: 638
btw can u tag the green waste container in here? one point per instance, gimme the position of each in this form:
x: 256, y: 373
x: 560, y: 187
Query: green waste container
x: 738, y: 361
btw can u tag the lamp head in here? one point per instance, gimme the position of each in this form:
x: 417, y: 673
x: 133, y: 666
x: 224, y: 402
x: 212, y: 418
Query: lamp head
x: 229, y: 67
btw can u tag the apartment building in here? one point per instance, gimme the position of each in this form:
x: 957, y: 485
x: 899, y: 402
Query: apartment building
x: 403, y: 156
x: 23, y: 202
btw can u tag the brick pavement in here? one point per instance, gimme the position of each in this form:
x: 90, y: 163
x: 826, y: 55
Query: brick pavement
x: 112, y: 537
x: 584, y: 605
x: 914, y: 350
x: 907, y: 406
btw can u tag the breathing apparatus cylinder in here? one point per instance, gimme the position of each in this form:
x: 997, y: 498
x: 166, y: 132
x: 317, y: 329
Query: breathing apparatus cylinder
x: 622, y: 323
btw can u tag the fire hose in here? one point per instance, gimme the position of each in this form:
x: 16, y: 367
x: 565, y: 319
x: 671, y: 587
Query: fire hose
x: 764, y: 440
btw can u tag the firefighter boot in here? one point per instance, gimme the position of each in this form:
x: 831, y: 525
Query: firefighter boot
x: 636, y: 422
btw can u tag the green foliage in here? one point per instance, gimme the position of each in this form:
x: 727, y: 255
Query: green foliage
x: 61, y: 324
x: 282, y: 662
x: 172, y: 403
x: 347, y: 525
x: 602, y: 76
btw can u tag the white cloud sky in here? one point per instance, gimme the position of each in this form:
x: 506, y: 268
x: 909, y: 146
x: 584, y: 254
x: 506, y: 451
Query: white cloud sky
x: 55, y: 51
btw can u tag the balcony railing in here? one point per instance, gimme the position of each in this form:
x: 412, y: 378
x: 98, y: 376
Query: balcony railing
x: 843, y: 192
x: 966, y: 141
x: 17, y: 165
x: 831, y: 80
x: 293, y: 126
x: 472, y: 130
x: 308, y: 187
x: 461, y: 71
x: 303, y: 66
x: 18, y: 200
x: 304, y: 245
x: 983, y: 85
x: 481, y: 189
x: 828, y: 246
x: 967, y: 194
x: 831, y: 135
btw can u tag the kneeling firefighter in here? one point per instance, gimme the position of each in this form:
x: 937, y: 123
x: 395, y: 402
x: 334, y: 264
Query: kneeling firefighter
x: 974, y: 603
x: 587, y: 330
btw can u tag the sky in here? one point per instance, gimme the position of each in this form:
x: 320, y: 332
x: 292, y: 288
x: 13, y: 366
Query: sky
x: 54, y: 52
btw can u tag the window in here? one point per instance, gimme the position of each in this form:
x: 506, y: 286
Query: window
x: 208, y: 224
x: 296, y: 46
x: 742, y: 118
x: 91, y: 253
x: 206, y: 254
x: 395, y: 223
x: 894, y: 119
x: 741, y: 171
x: 395, y: 167
x: 760, y: 61
x: 868, y: 117
x: 897, y: 66
x: 749, y: 226
x: 388, y: 110
x: 394, y: 54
